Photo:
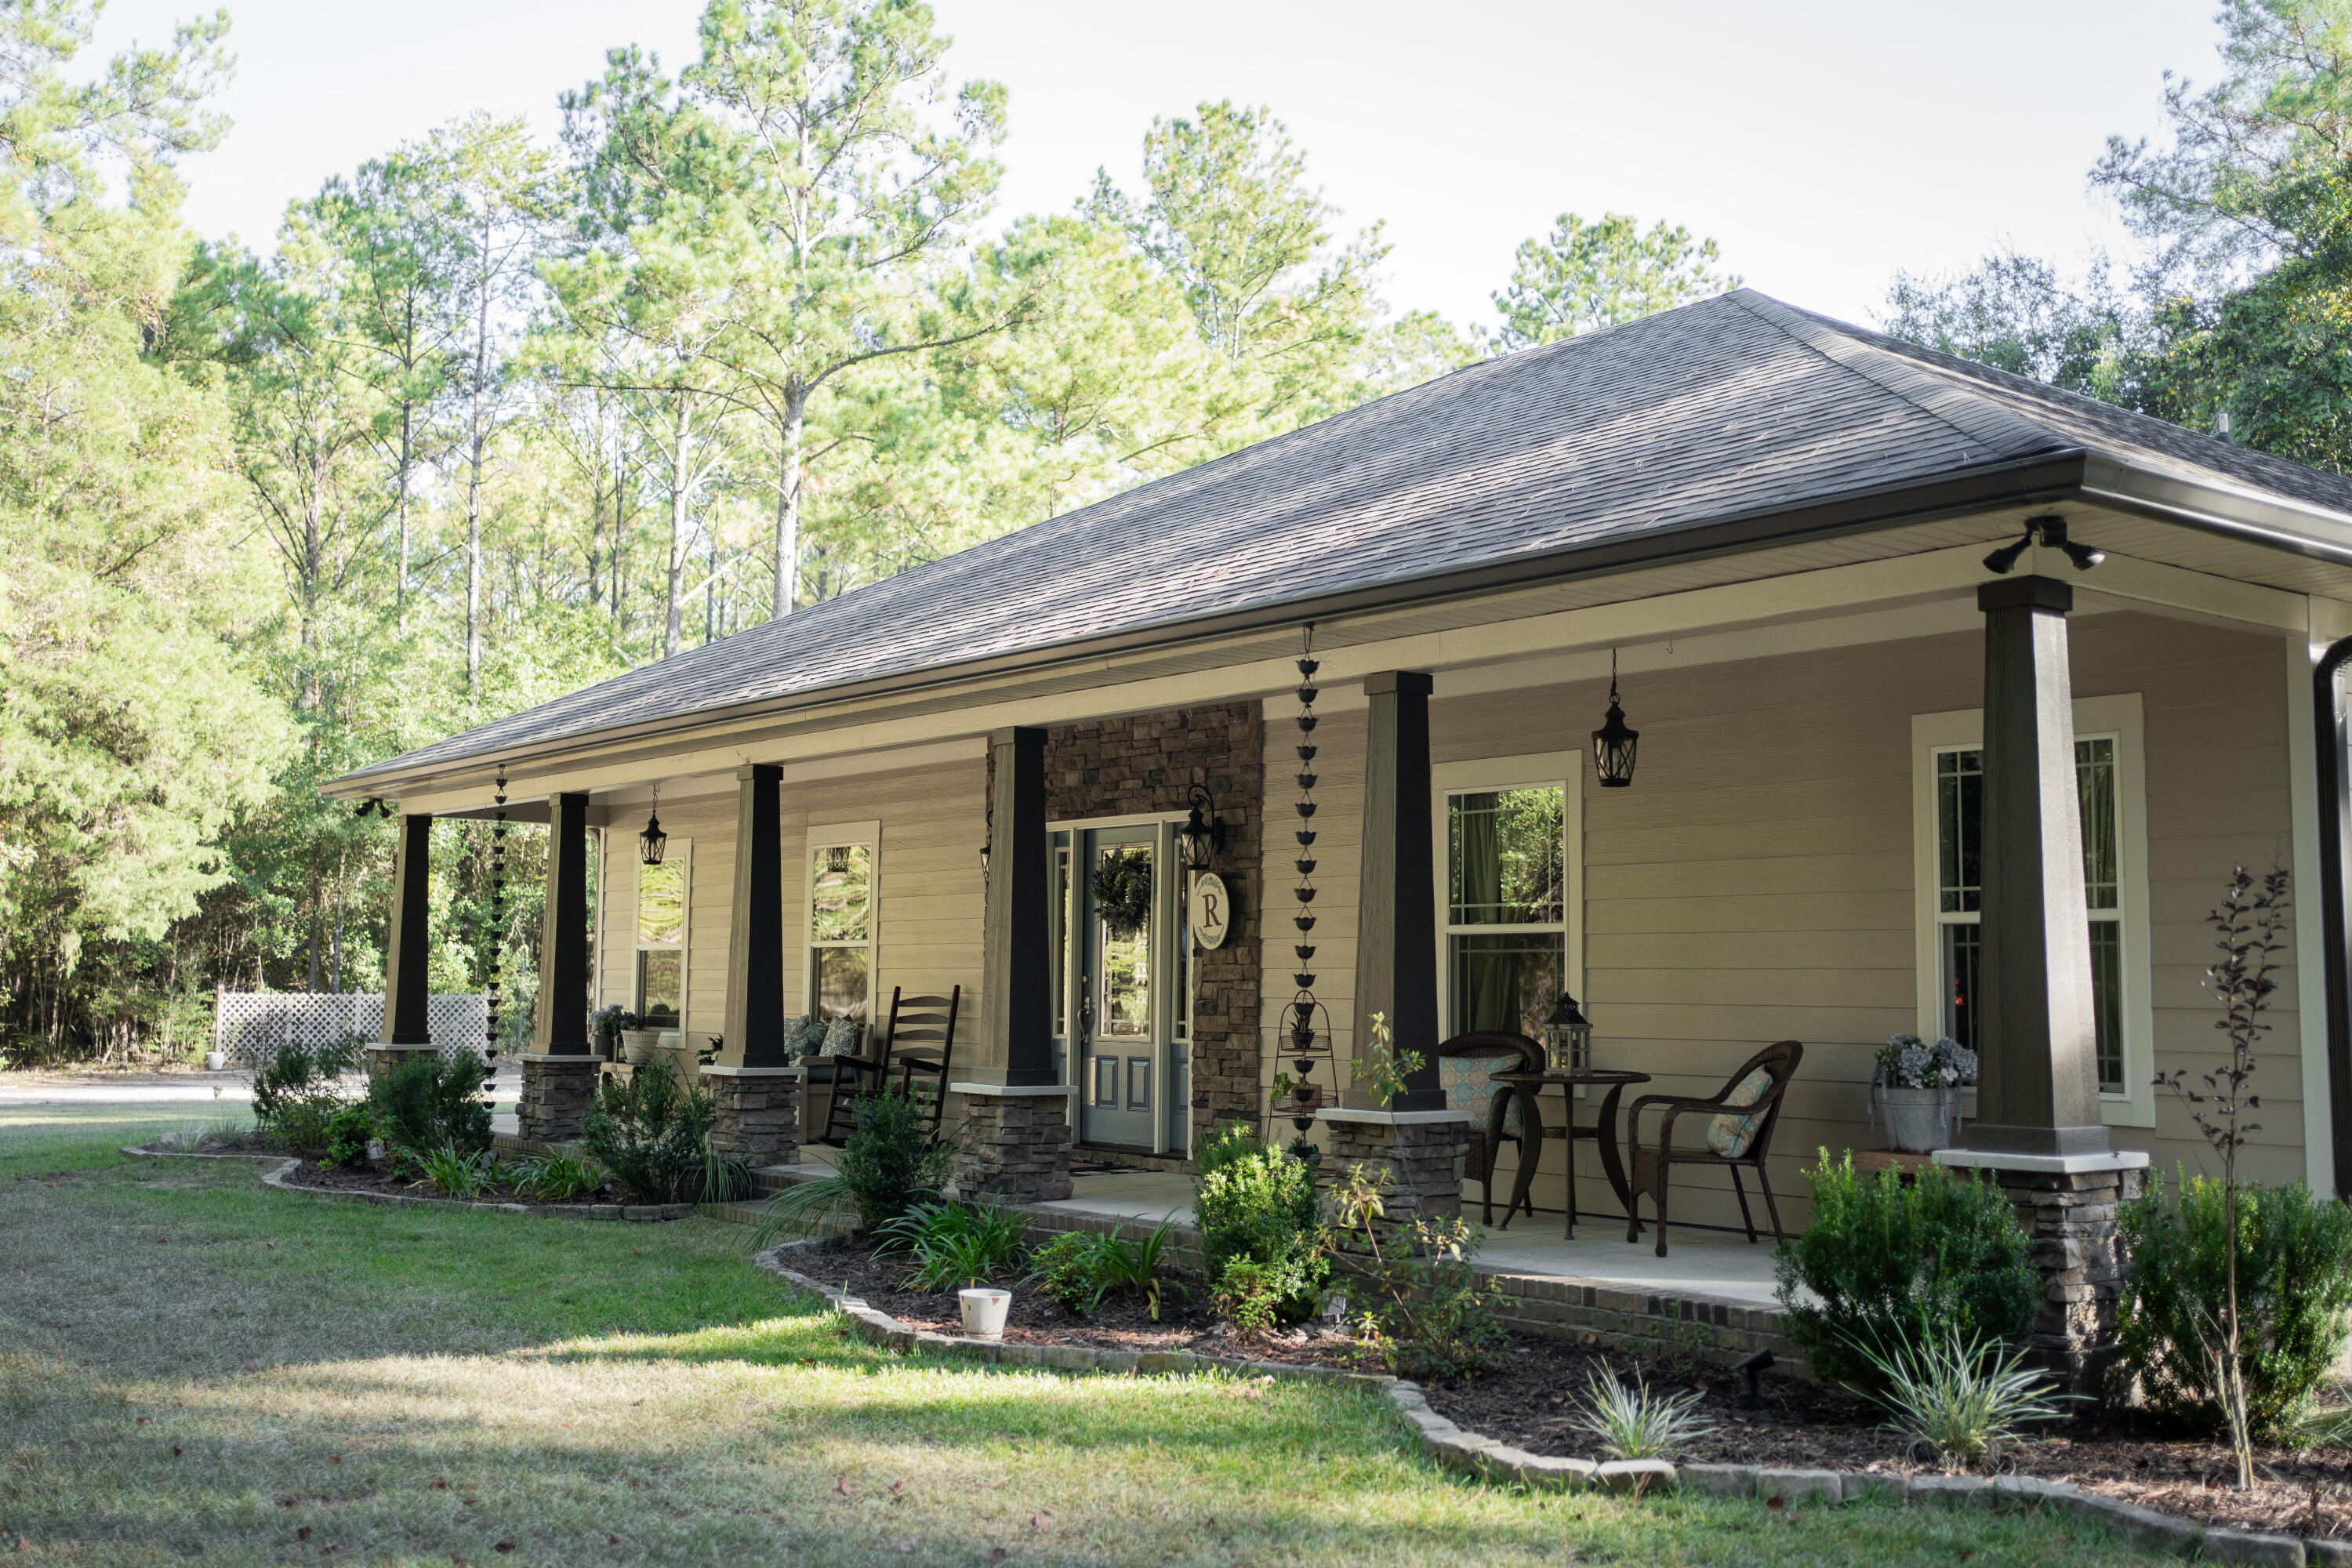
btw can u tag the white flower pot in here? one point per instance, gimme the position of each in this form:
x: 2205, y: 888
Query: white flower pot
x: 639, y: 1044
x: 1918, y: 1121
x: 983, y: 1313
x: 216, y: 1062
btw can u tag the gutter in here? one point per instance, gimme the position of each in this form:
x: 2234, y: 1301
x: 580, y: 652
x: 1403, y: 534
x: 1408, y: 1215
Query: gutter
x: 2042, y: 478
x: 2331, y: 733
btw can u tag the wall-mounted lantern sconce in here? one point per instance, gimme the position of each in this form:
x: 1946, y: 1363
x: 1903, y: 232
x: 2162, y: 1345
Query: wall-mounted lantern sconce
x: 1203, y: 836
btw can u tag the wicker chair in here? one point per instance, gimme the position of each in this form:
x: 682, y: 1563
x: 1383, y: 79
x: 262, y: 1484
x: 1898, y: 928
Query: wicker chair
x: 1494, y: 1120
x: 1653, y: 1164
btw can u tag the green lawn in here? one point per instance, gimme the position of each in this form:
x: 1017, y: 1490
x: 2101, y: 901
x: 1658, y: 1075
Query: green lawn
x: 193, y: 1369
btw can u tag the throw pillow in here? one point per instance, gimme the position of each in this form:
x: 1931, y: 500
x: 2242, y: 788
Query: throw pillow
x: 803, y: 1036
x: 1729, y: 1135
x: 841, y: 1038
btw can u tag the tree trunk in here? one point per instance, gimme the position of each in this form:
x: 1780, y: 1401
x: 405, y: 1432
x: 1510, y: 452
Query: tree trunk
x: 474, y: 476
x: 788, y: 500
x: 407, y: 448
x: 680, y: 464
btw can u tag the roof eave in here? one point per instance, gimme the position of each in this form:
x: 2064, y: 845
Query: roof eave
x: 2242, y: 511
x: 2037, y: 480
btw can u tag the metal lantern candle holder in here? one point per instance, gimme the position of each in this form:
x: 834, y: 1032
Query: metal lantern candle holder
x: 1567, y: 1036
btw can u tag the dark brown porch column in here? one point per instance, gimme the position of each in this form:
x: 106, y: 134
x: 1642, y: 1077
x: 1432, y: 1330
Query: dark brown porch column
x: 559, y: 1075
x: 1015, y: 1002
x: 755, y: 1086
x: 2038, y: 1089
x: 1396, y: 929
x: 755, y: 944
x: 407, y: 952
x: 1016, y: 1128
x: 2039, y: 1133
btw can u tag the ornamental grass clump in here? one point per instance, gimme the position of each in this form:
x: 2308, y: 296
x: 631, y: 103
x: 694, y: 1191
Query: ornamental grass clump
x: 1961, y: 1400
x: 1633, y: 1421
x: 952, y: 1245
x: 1889, y: 1264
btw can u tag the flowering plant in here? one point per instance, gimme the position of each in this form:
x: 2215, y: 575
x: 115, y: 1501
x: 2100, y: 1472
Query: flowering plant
x: 1906, y: 1061
x: 613, y: 1019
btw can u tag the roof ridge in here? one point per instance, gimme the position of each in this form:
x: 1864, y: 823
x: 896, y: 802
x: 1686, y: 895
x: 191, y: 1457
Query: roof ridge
x: 1976, y: 418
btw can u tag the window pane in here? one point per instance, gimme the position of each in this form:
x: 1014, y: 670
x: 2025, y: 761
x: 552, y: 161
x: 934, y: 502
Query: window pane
x: 1961, y: 950
x: 658, y: 991
x: 661, y: 904
x: 2095, y: 777
x: 1506, y: 858
x: 1507, y: 983
x: 2107, y: 1001
x: 1959, y: 813
x: 842, y: 883
x: 841, y: 982
x: 1124, y: 968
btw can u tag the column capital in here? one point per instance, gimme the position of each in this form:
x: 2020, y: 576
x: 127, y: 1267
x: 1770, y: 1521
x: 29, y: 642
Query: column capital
x: 1404, y: 682
x: 746, y: 772
x: 2028, y: 592
x: 1018, y: 735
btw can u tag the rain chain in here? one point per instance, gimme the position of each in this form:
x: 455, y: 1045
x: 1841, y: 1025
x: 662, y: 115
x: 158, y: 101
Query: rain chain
x: 1303, y: 1093
x: 498, y: 911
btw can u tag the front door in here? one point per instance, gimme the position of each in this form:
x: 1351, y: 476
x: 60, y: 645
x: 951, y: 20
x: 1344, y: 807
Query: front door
x: 1123, y: 1008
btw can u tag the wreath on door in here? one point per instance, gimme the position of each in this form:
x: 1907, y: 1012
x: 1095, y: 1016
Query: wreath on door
x: 1123, y: 890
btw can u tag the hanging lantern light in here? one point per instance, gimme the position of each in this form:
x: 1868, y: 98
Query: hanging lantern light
x: 1613, y: 742
x: 1203, y: 835
x: 653, y: 840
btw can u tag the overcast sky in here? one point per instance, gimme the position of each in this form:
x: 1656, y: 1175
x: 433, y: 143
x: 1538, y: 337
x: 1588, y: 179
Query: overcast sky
x: 1825, y: 145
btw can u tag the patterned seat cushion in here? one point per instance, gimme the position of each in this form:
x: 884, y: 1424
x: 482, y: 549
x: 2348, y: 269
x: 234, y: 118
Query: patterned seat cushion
x: 1470, y: 1086
x: 1729, y: 1135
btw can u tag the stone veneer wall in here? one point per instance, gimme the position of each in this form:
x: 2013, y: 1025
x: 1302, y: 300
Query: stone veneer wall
x: 1145, y: 762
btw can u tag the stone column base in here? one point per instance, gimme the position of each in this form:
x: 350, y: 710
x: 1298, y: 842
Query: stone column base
x: 1016, y: 1141
x: 556, y: 1093
x: 1421, y: 1153
x: 382, y: 1058
x: 2067, y: 1204
x: 758, y: 1113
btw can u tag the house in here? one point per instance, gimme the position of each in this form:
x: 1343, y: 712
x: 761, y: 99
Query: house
x: 1776, y: 538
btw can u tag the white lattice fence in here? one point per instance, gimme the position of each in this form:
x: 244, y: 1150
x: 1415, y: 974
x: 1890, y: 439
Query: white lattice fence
x: 251, y: 1025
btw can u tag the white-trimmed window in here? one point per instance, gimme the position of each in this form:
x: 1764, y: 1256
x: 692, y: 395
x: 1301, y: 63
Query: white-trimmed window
x: 842, y: 911
x: 2111, y: 786
x: 1510, y: 889
x: 661, y: 929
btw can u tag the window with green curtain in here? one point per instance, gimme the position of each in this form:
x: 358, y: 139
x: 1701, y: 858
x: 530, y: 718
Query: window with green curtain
x: 1507, y: 905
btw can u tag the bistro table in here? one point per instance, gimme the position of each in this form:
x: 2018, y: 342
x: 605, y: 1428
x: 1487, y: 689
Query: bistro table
x: 1529, y: 1087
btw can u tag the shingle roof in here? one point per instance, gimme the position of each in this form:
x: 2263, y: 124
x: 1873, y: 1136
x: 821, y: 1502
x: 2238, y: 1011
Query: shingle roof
x: 1732, y: 406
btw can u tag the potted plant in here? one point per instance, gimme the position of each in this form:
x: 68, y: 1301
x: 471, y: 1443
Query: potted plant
x: 607, y: 1024
x: 1919, y: 1086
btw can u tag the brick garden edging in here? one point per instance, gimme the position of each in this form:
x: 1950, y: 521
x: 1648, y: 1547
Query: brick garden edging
x: 289, y: 1164
x: 1488, y: 1459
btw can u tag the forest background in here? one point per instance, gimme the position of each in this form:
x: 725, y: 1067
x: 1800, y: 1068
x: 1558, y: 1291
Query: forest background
x: 497, y: 419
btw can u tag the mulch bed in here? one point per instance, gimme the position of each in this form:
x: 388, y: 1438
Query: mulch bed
x: 314, y: 1174
x: 1796, y: 1424
x: 1526, y: 1401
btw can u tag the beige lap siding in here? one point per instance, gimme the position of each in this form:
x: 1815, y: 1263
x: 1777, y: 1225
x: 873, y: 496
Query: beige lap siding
x: 929, y: 874
x: 1755, y: 883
